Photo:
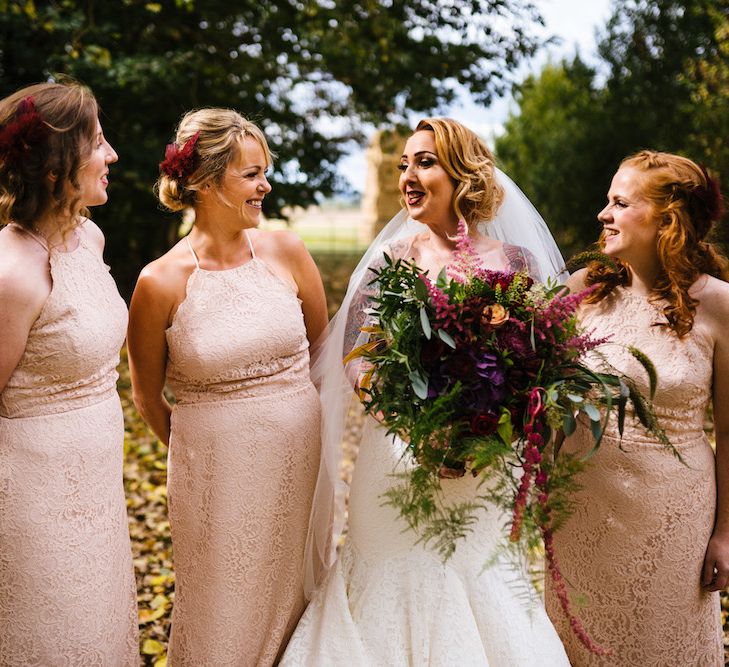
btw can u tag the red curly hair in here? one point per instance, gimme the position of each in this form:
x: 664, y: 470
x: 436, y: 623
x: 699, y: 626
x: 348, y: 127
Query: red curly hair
x: 686, y: 205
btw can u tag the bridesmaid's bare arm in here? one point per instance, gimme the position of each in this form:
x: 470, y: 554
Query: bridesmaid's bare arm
x: 149, y: 317
x: 716, y: 563
x: 25, y: 284
x: 311, y: 291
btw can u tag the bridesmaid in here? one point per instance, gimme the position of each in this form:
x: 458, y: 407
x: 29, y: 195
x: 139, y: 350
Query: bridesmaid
x: 227, y: 317
x: 648, y: 545
x: 67, y: 591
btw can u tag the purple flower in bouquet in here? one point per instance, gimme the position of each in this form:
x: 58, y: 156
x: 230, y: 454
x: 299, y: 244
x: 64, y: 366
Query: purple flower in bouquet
x: 514, y: 336
x: 493, y: 375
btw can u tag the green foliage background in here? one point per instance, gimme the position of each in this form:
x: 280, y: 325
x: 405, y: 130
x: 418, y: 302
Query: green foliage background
x: 661, y: 82
x: 311, y: 72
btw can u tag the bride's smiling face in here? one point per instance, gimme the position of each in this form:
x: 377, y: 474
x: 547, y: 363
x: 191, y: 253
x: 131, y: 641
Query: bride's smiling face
x: 424, y: 184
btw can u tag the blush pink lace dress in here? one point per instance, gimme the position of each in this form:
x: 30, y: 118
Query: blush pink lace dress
x: 633, y: 551
x: 67, y: 591
x: 244, y: 453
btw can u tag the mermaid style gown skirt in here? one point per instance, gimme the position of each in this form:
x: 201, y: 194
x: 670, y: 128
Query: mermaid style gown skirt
x: 391, y: 602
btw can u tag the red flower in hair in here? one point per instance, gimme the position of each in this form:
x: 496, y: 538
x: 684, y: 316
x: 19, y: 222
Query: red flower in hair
x: 179, y: 163
x: 710, y: 197
x: 23, y: 133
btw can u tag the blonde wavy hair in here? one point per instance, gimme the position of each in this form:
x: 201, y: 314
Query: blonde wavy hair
x: 686, y: 204
x: 69, y: 113
x: 470, y: 163
x: 222, y: 132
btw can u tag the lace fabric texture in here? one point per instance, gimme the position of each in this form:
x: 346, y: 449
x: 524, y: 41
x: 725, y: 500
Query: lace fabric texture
x: 244, y: 453
x: 389, y: 601
x: 633, y: 551
x: 67, y: 590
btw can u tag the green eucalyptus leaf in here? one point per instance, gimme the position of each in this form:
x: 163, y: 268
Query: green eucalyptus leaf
x: 592, y: 412
x: 420, y: 384
x: 446, y: 338
x: 531, y: 337
x: 425, y: 323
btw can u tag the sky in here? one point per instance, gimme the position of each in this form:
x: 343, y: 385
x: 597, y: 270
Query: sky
x: 573, y: 21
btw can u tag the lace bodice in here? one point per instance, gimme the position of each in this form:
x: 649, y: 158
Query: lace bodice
x: 72, y: 352
x: 684, y: 365
x: 264, y: 347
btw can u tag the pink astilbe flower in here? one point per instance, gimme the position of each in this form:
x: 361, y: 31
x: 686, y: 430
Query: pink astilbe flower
x: 549, y: 319
x: 446, y: 313
x: 466, y: 263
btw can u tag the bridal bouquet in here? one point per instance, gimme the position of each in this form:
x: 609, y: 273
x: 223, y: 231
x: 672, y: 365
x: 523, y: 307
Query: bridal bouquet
x: 475, y: 371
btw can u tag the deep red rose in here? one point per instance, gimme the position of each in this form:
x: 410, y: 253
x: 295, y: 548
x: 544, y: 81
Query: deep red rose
x: 484, y: 424
x: 504, y: 281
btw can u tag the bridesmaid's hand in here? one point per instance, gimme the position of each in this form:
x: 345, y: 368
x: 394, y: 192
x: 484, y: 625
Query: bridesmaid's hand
x: 716, y: 563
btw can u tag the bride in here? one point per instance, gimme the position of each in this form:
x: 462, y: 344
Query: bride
x: 388, y: 599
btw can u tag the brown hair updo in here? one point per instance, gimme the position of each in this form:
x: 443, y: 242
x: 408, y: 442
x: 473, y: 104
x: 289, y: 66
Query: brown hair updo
x: 470, y: 163
x: 220, y: 136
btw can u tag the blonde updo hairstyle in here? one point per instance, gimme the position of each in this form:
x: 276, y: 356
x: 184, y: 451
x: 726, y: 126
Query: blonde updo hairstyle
x: 222, y: 133
x: 69, y: 115
x: 686, y: 204
x: 471, y: 165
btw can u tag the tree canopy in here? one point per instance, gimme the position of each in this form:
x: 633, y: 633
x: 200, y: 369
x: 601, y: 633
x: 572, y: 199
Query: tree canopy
x: 310, y: 72
x: 662, y: 82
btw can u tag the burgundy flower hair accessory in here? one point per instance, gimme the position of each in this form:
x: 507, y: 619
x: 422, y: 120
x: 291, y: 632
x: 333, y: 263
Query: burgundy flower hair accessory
x: 179, y: 163
x: 23, y: 133
x: 709, y: 197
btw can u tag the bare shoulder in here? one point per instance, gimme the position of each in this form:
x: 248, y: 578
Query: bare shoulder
x: 24, y: 275
x: 92, y: 234
x: 164, y: 280
x: 280, y: 245
x: 282, y: 240
x: 713, y: 295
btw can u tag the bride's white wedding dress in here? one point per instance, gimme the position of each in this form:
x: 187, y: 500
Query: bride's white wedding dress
x: 391, y: 602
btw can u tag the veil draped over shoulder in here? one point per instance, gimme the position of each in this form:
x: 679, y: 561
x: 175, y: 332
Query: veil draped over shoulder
x: 518, y: 223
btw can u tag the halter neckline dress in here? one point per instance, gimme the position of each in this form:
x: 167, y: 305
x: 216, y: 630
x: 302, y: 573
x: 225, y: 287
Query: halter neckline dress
x: 244, y: 454
x: 67, y: 589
